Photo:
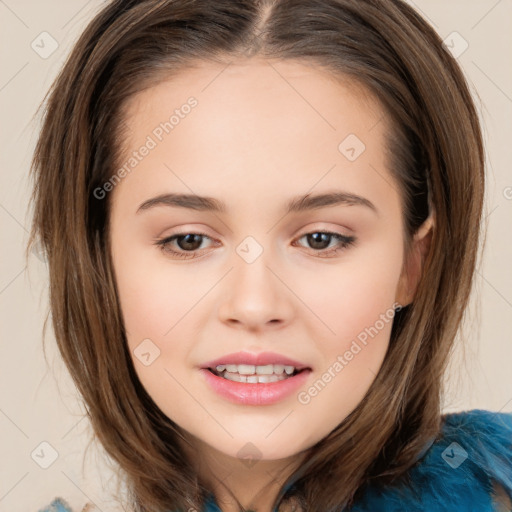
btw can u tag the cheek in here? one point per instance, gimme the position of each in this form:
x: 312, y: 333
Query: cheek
x: 351, y: 296
x: 154, y: 297
x: 350, y: 362
x: 158, y: 306
x: 354, y: 302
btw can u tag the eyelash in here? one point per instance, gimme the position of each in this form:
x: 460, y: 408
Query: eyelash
x: 344, y: 243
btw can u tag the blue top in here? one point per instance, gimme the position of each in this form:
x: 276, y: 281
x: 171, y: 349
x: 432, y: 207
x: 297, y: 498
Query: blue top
x: 461, y: 471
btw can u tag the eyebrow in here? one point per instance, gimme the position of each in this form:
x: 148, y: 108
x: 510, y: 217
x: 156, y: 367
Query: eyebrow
x: 297, y: 204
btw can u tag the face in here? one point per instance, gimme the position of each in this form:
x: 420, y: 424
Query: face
x: 315, y: 284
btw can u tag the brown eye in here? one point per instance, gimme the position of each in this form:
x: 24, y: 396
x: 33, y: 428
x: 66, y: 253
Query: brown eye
x: 183, y: 245
x: 189, y: 242
x: 320, y: 241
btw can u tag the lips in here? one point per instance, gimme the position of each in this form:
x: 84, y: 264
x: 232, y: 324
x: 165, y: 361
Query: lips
x: 261, y: 359
x: 259, y: 394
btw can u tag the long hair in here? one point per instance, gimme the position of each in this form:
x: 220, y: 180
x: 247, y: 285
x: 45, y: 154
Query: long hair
x: 435, y: 152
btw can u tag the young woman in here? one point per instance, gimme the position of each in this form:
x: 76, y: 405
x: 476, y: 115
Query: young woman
x: 261, y: 221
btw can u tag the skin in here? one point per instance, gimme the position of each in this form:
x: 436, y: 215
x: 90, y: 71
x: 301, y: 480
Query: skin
x: 262, y: 133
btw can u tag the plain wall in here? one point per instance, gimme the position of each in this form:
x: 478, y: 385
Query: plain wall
x: 38, y: 403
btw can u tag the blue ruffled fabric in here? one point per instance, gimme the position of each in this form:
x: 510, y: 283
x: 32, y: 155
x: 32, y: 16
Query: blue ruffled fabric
x: 57, y: 505
x: 456, y: 473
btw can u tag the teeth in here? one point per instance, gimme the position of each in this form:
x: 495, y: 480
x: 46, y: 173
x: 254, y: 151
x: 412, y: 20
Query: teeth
x: 253, y: 379
x: 265, y: 370
x: 249, y: 369
x: 254, y: 374
x: 279, y: 368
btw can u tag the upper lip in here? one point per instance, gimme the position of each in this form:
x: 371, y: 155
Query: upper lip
x: 261, y: 359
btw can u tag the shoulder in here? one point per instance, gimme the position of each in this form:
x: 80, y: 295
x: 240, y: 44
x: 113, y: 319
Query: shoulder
x: 57, y: 505
x: 484, y: 433
x: 467, y: 467
x: 484, y: 438
x: 478, y: 420
x: 60, y: 505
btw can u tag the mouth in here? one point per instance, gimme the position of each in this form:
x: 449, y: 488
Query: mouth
x: 252, y: 374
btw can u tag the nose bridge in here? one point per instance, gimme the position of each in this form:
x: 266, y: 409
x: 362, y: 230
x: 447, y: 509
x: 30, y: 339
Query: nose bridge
x: 253, y: 277
x: 254, y: 294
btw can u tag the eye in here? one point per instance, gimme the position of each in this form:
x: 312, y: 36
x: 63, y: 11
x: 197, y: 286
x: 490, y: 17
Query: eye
x: 189, y: 243
x: 320, y: 241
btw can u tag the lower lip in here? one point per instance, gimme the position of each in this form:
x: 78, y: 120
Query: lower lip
x: 255, y: 394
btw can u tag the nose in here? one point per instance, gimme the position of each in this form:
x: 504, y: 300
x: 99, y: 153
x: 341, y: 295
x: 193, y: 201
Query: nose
x: 255, y: 297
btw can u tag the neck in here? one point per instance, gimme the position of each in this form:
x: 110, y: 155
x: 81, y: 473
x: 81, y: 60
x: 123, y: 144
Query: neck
x: 253, y: 485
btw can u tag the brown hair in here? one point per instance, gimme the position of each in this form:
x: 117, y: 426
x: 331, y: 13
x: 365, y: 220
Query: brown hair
x: 436, y: 155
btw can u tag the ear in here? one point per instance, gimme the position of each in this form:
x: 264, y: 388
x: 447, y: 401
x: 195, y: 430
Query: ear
x: 413, y: 265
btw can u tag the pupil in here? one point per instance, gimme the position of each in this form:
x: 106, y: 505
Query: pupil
x: 189, y: 240
x: 318, y: 238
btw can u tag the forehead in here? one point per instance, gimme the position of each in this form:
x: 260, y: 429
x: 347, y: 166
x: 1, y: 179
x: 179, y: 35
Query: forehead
x: 257, y: 97
x: 258, y: 121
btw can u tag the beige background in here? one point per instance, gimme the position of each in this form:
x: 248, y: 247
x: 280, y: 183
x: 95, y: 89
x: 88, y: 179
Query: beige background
x: 38, y: 401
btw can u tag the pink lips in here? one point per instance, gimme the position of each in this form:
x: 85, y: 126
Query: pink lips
x: 255, y: 394
x: 261, y: 359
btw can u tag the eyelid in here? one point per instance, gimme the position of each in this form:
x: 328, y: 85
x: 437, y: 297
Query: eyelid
x: 340, y: 230
x: 343, y: 243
